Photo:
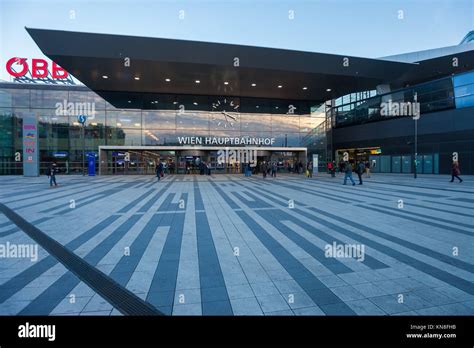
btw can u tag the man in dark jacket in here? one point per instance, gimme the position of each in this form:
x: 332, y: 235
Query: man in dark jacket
x: 348, y: 173
x: 360, y: 170
x: 264, y: 168
x: 159, y: 170
x: 51, y: 173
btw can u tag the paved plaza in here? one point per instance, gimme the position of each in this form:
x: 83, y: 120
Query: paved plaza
x: 230, y: 245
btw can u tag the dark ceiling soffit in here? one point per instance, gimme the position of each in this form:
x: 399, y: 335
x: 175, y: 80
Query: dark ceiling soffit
x: 77, y: 44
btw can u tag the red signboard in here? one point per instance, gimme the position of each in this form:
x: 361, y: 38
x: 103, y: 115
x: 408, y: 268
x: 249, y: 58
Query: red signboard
x: 38, y: 68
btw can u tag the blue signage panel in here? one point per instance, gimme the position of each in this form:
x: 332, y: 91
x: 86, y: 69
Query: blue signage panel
x: 60, y: 154
x: 30, y: 145
x: 82, y: 119
x: 91, y: 164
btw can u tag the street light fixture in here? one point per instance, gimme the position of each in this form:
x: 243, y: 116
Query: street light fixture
x: 415, y: 118
x: 82, y: 120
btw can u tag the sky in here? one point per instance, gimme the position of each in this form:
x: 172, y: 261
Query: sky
x: 364, y: 28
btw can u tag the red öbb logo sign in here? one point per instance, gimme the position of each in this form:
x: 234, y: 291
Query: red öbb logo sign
x: 39, y: 68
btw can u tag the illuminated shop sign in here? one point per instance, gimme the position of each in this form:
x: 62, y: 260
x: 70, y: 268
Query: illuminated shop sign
x: 23, y: 70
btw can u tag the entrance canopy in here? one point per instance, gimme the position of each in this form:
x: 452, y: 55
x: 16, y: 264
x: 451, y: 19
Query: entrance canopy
x: 117, y: 63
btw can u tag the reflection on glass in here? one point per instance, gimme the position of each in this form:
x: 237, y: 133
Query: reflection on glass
x: 285, y: 123
x: 192, y: 120
x: 160, y: 119
x: 252, y: 122
x: 124, y: 119
x: 159, y: 137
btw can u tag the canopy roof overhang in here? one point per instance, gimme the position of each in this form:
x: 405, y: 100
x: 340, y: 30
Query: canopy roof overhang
x: 90, y: 56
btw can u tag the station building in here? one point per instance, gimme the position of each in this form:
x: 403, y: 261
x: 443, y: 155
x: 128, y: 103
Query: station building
x: 142, y: 100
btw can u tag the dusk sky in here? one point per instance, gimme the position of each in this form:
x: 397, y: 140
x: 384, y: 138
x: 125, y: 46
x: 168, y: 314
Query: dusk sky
x: 367, y: 28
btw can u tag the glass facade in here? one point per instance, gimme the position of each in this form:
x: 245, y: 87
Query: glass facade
x: 140, y: 119
x: 464, y: 89
x: 432, y: 96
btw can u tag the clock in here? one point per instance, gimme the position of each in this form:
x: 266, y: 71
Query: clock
x: 225, y: 112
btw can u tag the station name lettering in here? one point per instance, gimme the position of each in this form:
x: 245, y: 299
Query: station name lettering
x: 225, y: 141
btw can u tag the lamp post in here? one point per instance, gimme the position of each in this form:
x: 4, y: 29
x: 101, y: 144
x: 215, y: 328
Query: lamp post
x: 415, y: 118
x: 82, y: 120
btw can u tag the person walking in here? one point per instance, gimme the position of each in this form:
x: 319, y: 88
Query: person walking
x: 330, y: 167
x: 455, y: 172
x: 348, y: 173
x: 159, y: 170
x: 264, y: 169
x: 309, y: 169
x: 274, y: 169
x: 360, y: 169
x: 51, y: 173
x: 367, y: 169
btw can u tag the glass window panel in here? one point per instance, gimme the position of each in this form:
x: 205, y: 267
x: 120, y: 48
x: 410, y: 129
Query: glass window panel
x: 124, y: 119
x: 254, y: 105
x: 87, y: 97
x: 251, y: 122
x: 307, y: 123
x: 159, y: 137
x: 160, y: 119
x: 192, y: 120
x: 119, y: 136
x: 41, y: 98
x: 188, y: 103
x: 463, y: 79
x: 159, y: 101
x: 464, y: 91
x: 465, y: 102
x: 286, y: 139
x: 285, y: 123
x: 13, y: 97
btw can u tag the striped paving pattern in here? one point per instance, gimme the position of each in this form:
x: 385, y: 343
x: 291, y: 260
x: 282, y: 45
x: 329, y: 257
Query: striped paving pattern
x: 229, y: 245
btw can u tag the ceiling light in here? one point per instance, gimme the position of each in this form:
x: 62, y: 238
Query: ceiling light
x: 254, y: 84
x: 105, y: 77
x: 226, y: 83
x: 197, y: 81
x: 156, y: 101
x: 175, y: 102
x: 129, y: 101
x: 328, y: 90
x: 280, y: 86
x: 305, y: 88
x: 167, y: 80
x: 136, y: 78
x: 195, y: 103
x: 257, y: 106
